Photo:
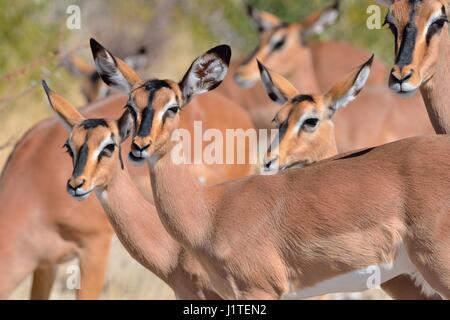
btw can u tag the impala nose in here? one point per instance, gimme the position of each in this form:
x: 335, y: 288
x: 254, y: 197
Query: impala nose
x: 400, y: 75
x: 270, y: 164
x: 400, y: 79
x: 137, y: 152
x: 74, y: 186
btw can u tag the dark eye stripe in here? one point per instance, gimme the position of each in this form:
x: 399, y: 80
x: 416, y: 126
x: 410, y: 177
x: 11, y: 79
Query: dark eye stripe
x: 406, y: 51
x: 81, y: 161
x: 146, y: 122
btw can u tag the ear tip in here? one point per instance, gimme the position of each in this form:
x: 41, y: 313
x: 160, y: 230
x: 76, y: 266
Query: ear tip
x: 95, y: 46
x: 370, y: 61
x: 261, y: 67
x: 223, y: 51
x: 45, y: 86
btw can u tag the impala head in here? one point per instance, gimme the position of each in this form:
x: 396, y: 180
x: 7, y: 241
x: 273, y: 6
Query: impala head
x: 92, y: 86
x: 306, y: 131
x: 155, y: 104
x: 279, y: 40
x: 418, y: 27
x: 93, y: 144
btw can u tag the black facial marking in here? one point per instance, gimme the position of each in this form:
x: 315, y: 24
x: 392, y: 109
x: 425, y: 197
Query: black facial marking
x: 301, y: 98
x: 81, y: 161
x: 93, y: 123
x: 406, y: 51
x: 146, y: 122
x: 154, y: 85
x: 282, y: 129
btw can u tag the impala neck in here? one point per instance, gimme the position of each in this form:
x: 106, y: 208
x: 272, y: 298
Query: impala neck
x: 436, y: 91
x: 181, y: 200
x: 138, y: 226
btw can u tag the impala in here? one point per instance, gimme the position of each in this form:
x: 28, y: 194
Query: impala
x: 283, y: 47
x: 422, y: 49
x: 306, y: 136
x: 307, y: 229
x: 95, y: 147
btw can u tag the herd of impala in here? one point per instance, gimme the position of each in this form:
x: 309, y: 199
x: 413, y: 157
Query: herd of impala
x: 223, y: 231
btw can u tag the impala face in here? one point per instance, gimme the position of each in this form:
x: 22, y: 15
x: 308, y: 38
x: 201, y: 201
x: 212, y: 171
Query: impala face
x: 93, y: 145
x: 155, y: 105
x: 306, y: 131
x: 418, y: 27
x: 279, y: 41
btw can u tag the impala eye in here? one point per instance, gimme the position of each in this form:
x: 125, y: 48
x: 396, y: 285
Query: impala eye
x: 310, y: 124
x: 172, y: 111
x: 440, y: 22
x: 279, y: 44
x: 108, y: 150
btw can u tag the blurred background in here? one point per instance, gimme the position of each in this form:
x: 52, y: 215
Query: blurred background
x: 35, y: 39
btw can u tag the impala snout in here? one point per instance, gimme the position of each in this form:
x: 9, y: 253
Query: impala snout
x: 77, y: 188
x: 270, y: 164
x: 404, y: 80
x: 139, y: 152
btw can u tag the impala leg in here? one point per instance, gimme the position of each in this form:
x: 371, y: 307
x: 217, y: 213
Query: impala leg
x: 404, y: 288
x: 43, y: 279
x: 93, y: 266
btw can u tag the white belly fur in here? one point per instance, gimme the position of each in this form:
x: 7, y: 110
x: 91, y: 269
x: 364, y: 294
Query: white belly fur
x: 361, y: 280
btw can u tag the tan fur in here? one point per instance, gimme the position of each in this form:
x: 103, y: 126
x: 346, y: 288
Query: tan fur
x: 304, y: 148
x: 430, y: 65
x: 302, y: 233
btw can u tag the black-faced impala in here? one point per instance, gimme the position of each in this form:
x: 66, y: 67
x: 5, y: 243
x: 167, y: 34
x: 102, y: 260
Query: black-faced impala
x: 422, y: 54
x: 306, y: 136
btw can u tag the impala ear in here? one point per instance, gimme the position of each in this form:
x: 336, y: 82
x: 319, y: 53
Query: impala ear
x: 278, y: 88
x: 113, y: 71
x: 317, y: 22
x: 262, y: 20
x: 67, y: 113
x: 346, y: 91
x: 125, y: 125
x: 206, y: 72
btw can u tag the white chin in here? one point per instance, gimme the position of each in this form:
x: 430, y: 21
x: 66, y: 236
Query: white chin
x: 404, y: 91
x: 83, y: 196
